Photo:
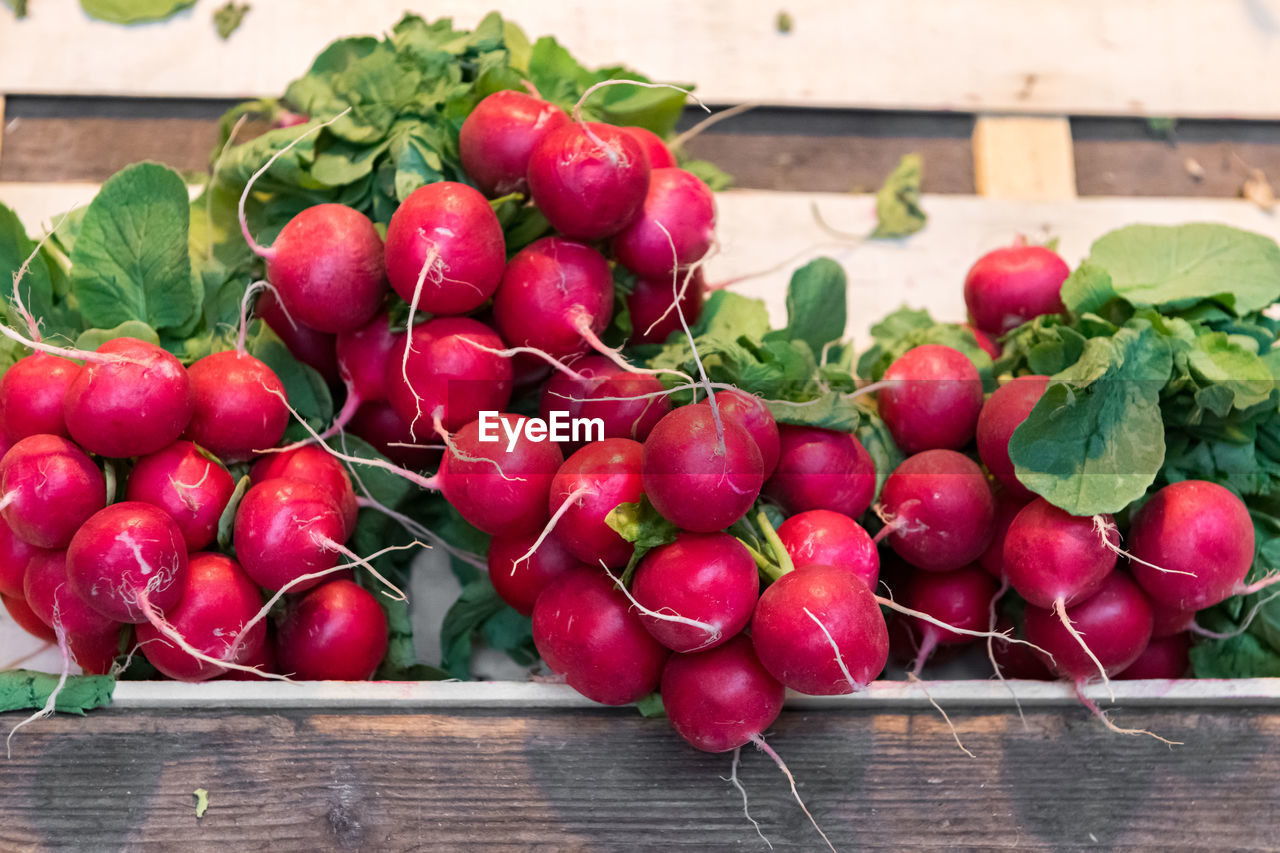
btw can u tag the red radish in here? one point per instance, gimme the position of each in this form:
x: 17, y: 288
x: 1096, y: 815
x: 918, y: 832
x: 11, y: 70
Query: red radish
x: 822, y: 469
x: 48, y: 592
x: 381, y: 425
x: 1116, y: 621
x: 697, y: 477
x: 363, y: 355
x: 192, y: 488
x: 1009, y: 286
x: 50, y: 488
x: 313, y: 348
x: 327, y: 267
x: 1165, y: 657
x: 586, y: 488
x: 314, y: 465
x: 589, y: 179
x: 520, y: 577
x: 22, y: 614
x: 130, y: 406
x: 1052, y: 556
x: 96, y: 654
x: 287, y: 528
x: 239, y: 406
x: 447, y: 377
x: 1167, y: 621
x: 932, y: 398
x: 1200, y: 536
x: 708, y: 580
x: 750, y: 412
x: 660, y: 156
x: 128, y: 562
x: 337, y: 632
x: 499, y: 135
x: 1003, y: 412
x: 556, y: 296
x: 585, y: 630
x: 722, y: 698
x: 31, y: 395
x: 500, y: 486
x: 627, y: 404
x: 961, y: 598
x: 1008, y: 505
x: 1017, y: 660
x: 263, y: 662
x: 445, y: 249
x: 651, y: 304
x: 674, y: 228
x: 15, y: 554
x: 988, y: 344
x: 820, y: 537
x: 940, y: 510
x: 819, y: 630
x: 217, y: 600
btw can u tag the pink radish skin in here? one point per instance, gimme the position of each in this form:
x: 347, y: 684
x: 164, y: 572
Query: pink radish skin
x: 500, y: 492
x: 1004, y: 411
x: 988, y: 344
x: 281, y: 529
x: 820, y: 537
x: 264, y: 661
x: 363, y: 355
x: 15, y: 556
x: 586, y: 630
x: 313, y: 348
x: 313, y: 465
x: 660, y: 156
x: 1009, y: 286
x: 337, y: 632
x: 593, y: 481
x: 1167, y: 621
x: 448, y: 377
x: 695, y: 481
x: 632, y: 418
x: 499, y: 135
x: 679, y: 202
x: 217, y: 600
x: 52, y: 487
x: 961, y: 598
x: 451, y: 227
x: 722, y: 698
x: 190, y: 487
x: 31, y: 395
x: 1017, y: 660
x: 1115, y: 622
x: 1008, y: 505
x: 26, y: 619
x: 96, y: 654
x: 240, y: 407
x: 552, y: 289
x: 821, y: 469
x: 1050, y: 555
x: 519, y: 581
x: 327, y: 266
x: 802, y: 620
x: 588, y: 179
x: 933, y: 401
x: 750, y: 412
x: 941, y: 511
x: 128, y: 561
x: 1164, y: 657
x: 128, y: 408
x: 1197, y: 527
x: 48, y: 592
x: 650, y: 302
x: 381, y: 425
x: 707, y: 577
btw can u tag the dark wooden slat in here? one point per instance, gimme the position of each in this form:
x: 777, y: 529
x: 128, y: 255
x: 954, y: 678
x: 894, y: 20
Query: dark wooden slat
x: 604, y: 780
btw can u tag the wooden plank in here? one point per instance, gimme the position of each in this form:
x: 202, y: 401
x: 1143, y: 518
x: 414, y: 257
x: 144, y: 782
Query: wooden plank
x: 1026, y: 158
x: 1116, y: 57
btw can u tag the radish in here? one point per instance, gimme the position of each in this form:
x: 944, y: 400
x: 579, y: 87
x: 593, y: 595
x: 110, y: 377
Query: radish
x: 674, y: 228
x: 48, y: 591
x: 651, y: 305
x: 720, y: 699
x: 31, y: 394
x: 960, y: 598
x: 940, y: 510
x: 1192, y: 544
x: 26, y: 619
x: 1164, y: 657
x: 1053, y: 558
x: 520, y: 571
x: 445, y: 250
x: 15, y: 555
x: 988, y: 344
x: 257, y: 666
x: 381, y: 425
x: 589, y: 179
x: 586, y: 488
x: 336, y: 632
x: 1167, y: 621
x: 1003, y: 412
x: 192, y: 488
x: 498, y: 136
x: 820, y: 537
x: 313, y: 348
x: 660, y: 156
x: 708, y: 580
x: 96, y: 654
x: 1016, y: 660
x: 314, y: 465
x: 285, y: 529
x: 130, y: 406
x: 585, y: 630
x: 1116, y: 620
x: 238, y: 406
x: 1009, y: 286
x: 750, y: 412
x: 822, y: 469
x: 129, y: 562
x: 218, y: 598
x: 50, y: 487
x: 628, y: 405
x: 700, y: 474
x: 556, y: 296
x: 819, y: 630
x: 1008, y: 505
x: 363, y: 356
x: 931, y: 399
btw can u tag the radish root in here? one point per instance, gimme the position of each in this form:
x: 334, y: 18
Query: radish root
x: 1106, y: 721
x: 733, y: 780
x: 713, y: 633
x: 51, y: 703
x: 551, y: 525
x: 915, y: 679
x: 854, y: 687
x: 1105, y: 528
x: 1060, y: 608
x: 777, y: 759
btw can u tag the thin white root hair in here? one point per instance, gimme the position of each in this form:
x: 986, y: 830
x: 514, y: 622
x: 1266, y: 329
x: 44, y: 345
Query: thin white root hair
x: 915, y: 679
x: 417, y: 529
x: 1195, y: 628
x: 1106, y: 721
x: 216, y: 170
x: 432, y: 255
x: 991, y: 652
x: 392, y: 591
x: 713, y: 633
x: 509, y: 352
x: 759, y: 741
x: 710, y: 121
x: 1105, y: 528
x: 467, y: 457
x: 870, y: 389
x: 560, y: 512
x: 925, y: 617
x: 171, y: 634
x: 1259, y: 585
x: 847, y: 237
x: 33, y: 325
x: 245, y: 301
x: 733, y: 780
x: 684, y: 286
x: 786, y: 263
x: 854, y: 687
x: 582, y: 324
x: 577, y: 108
x: 51, y: 703
x: 1060, y: 608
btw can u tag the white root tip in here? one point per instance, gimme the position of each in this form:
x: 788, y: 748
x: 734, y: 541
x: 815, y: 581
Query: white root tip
x: 733, y: 780
x: 1105, y: 528
x: 1060, y: 608
x: 1106, y: 721
x: 777, y: 759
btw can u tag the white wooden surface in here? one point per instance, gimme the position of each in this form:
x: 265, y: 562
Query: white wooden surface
x: 1132, y: 57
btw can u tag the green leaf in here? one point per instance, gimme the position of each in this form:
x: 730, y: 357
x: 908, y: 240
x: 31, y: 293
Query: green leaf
x: 710, y: 174
x: 91, y: 339
x: 907, y: 329
x: 134, y: 11
x: 816, y: 303
x: 19, y: 8
x: 227, y: 19
x: 385, y: 487
x: 651, y: 706
x: 306, y: 389
x: 898, y: 210
x: 23, y: 690
x: 1241, y: 656
x: 1087, y: 289
x: 640, y: 524
x: 478, y: 603
x: 200, y: 794
x: 1236, y: 374
x: 227, y: 521
x: 131, y: 259
x: 36, y: 287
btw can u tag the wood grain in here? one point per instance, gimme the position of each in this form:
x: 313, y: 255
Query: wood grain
x: 1027, y: 158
